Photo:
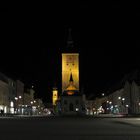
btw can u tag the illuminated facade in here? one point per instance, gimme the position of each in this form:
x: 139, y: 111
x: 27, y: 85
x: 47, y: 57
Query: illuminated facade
x: 55, y: 96
x: 4, y: 97
x: 31, y: 105
x: 14, y: 100
x: 70, y: 67
x: 7, y: 94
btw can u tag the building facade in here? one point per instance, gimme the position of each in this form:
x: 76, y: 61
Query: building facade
x: 14, y: 100
x: 7, y: 94
x: 124, y: 100
x: 31, y: 105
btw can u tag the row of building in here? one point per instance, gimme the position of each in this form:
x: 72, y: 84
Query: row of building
x: 123, y: 98
x: 14, y: 99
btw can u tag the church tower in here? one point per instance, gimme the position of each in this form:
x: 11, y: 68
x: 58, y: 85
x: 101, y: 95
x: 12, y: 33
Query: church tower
x: 71, y: 99
x: 70, y: 67
x: 55, y: 96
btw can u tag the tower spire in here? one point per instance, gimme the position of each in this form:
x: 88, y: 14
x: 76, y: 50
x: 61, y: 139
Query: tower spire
x: 71, y: 78
x: 69, y: 40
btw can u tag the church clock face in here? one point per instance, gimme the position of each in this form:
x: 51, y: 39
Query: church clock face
x: 70, y: 59
x: 70, y: 62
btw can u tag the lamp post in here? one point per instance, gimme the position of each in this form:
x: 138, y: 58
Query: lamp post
x: 20, y: 104
x: 123, y: 99
x: 16, y: 104
x: 109, y: 104
x: 17, y: 99
x: 31, y: 107
x: 103, y: 94
x: 120, y: 104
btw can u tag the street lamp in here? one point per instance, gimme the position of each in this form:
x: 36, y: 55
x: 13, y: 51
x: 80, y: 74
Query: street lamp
x: 12, y: 107
x: 119, y: 98
x: 16, y: 98
x: 124, y: 109
x: 31, y: 107
x: 110, y: 103
x: 127, y: 105
x: 16, y: 105
x: 20, y: 104
x: 20, y: 97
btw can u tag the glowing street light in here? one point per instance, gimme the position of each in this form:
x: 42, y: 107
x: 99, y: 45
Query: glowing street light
x: 20, y: 97
x: 31, y: 102
x: 103, y: 94
x: 123, y: 99
x: 111, y: 107
x: 11, y: 104
x: 110, y: 102
x: 16, y: 104
x: 77, y: 109
x: 16, y: 98
x: 119, y: 98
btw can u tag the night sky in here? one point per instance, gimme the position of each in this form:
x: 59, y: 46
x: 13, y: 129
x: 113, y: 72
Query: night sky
x: 104, y: 34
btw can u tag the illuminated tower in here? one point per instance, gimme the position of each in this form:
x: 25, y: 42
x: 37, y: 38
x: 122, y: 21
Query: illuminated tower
x: 70, y: 67
x: 55, y: 96
x: 71, y: 99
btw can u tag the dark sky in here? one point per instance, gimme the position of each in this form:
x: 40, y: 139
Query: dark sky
x: 104, y: 33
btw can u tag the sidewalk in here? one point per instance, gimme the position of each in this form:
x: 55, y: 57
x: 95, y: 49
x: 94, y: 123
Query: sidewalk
x: 118, y: 115
x: 21, y: 116
x: 110, y: 115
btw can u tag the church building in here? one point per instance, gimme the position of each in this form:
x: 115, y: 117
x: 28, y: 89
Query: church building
x: 71, y: 99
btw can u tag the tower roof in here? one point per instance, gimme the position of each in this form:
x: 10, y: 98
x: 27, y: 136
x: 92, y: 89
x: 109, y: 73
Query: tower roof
x: 69, y: 40
x: 70, y: 47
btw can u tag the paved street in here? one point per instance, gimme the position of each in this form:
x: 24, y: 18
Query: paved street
x: 73, y: 128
